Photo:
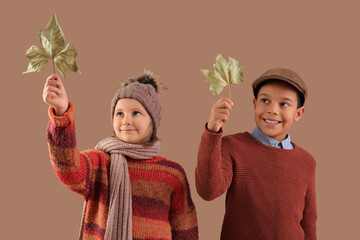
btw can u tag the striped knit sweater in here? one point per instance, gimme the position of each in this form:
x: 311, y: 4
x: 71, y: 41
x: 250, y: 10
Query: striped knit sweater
x: 270, y: 191
x: 161, y: 202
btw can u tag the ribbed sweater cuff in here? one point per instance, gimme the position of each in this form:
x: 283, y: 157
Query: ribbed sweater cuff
x: 65, y: 120
x: 210, y: 137
x: 218, y: 133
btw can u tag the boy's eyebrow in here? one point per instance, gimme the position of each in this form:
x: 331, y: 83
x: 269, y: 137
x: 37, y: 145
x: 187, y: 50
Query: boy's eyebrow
x: 283, y: 98
x: 287, y: 99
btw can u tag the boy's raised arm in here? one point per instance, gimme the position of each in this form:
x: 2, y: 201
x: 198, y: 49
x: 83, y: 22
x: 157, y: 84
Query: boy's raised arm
x: 213, y: 174
x: 219, y: 114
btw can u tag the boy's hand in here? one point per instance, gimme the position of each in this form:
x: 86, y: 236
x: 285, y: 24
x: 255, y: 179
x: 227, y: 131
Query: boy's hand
x: 219, y: 114
x: 54, y: 94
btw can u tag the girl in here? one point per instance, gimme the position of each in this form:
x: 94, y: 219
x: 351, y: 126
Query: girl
x: 130, y: 192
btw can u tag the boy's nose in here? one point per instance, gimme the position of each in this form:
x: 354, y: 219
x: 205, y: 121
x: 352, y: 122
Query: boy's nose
x: 273, y: 108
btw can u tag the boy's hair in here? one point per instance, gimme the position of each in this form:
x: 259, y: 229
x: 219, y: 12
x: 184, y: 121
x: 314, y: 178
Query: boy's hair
x: 300, y: 97
x: 282, y: 75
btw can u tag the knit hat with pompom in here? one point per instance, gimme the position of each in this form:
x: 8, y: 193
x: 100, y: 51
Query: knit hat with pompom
x: 145, y: 90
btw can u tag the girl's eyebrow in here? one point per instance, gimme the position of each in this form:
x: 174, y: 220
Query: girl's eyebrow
x: 132, y: 109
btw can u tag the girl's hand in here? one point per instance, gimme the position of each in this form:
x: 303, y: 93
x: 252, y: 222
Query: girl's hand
x: 219, y: 114
x: 54, y: 94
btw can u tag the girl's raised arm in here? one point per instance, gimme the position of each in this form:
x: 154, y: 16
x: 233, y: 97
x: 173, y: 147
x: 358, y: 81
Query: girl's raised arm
x: 54, y: 94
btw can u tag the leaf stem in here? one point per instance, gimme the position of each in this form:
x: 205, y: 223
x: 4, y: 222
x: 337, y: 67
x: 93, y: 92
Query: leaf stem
x: 53, y: 64
x: 229, y: 91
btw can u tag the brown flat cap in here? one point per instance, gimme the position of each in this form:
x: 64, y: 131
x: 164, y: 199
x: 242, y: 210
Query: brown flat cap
x: 282, y: 74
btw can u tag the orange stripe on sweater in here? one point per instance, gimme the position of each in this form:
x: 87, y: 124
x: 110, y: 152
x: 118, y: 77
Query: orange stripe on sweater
x: 67, y: 159
x: 185, y: 221
x: 146, y: 228
x: 154, y: 166
x: 98, y: 213
x: 152, y: 189
x: 91, y: 236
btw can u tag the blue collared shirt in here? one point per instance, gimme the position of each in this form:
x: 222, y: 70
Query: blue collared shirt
x: 261, y: 137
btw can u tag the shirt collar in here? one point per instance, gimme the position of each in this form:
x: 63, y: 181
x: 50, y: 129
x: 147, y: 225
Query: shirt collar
x: 261, y: 137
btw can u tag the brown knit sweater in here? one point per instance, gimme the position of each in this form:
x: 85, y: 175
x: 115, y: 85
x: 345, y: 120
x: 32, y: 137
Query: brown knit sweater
x: 270, y: 191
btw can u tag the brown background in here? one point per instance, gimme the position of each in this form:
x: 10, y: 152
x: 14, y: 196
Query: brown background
x: 118, y: 39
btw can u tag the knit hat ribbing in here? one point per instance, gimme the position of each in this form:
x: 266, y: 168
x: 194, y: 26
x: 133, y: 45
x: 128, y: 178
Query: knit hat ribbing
x: 146, y: 95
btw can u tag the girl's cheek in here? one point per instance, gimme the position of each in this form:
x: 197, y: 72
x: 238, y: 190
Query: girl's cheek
x: 150, y: 132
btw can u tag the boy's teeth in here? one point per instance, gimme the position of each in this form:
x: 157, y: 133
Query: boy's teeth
x: 272, y: 122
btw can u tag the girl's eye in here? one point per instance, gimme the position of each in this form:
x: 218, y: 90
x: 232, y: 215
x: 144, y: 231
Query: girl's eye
x: 119, y: 114
x: 136, y: 113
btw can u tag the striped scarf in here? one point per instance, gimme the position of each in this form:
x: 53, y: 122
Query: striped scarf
x: 119, y: 221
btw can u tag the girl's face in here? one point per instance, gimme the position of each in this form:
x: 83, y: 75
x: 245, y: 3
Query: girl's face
x: 131, y: 122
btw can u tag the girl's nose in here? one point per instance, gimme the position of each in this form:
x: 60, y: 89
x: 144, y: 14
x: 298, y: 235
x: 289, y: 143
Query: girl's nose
x: 126, y: 120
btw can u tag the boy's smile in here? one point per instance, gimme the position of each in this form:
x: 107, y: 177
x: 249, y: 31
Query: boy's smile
x: 132, y: 123
x: 276, y: 109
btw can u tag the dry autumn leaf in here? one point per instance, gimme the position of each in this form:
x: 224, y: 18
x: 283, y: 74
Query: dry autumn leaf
x: 53, y: 48
x: 225, y: 73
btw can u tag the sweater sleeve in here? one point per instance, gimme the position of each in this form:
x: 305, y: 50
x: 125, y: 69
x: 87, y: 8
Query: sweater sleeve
x: 214, y: 170
x: 183, y: 217
x: 75, y: 169
x: 308, y: 223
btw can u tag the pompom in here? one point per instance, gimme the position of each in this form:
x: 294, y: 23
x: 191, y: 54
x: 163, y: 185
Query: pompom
x: 146, y: 78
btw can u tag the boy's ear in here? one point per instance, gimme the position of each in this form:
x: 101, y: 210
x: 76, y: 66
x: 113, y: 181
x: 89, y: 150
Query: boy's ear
x: 254, y: 102
x: 299, y: 113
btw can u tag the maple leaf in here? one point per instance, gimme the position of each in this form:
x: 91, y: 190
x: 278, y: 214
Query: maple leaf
x: 53, y: 48
x: 225, y: 73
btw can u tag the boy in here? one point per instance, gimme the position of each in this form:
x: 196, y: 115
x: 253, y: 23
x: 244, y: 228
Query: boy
x: 270, y: 181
